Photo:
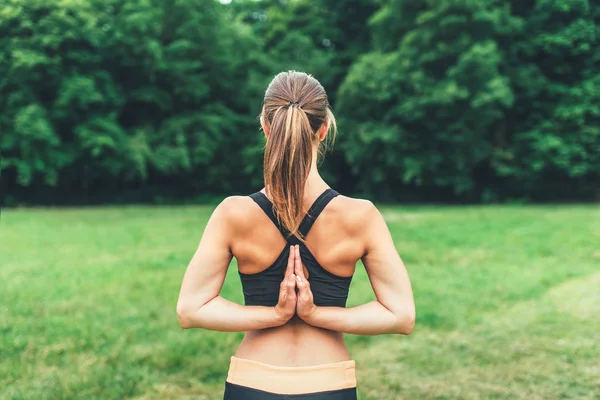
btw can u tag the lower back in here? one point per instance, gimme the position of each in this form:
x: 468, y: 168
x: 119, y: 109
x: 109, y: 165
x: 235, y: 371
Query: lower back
x: 294, y: 344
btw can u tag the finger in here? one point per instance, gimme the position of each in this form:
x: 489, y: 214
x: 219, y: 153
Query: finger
x: 291, y: 280
x: 290, y: 267
x: 300, y: 283
x: 298, y: 263
x: 304, y: 292
x: 291, y: 287
x: 287, y: 292
x: 288, y: 280
x: 289, y: 270
x: 303, y: 285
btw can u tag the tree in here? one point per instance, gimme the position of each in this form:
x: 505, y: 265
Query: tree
x: 101, y: 94
x: 486, y: 98
x: 424, y: 110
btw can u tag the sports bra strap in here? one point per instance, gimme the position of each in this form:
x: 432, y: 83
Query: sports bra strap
x: 309, y: 219
x: 315, y: 210
x: 266, y: 205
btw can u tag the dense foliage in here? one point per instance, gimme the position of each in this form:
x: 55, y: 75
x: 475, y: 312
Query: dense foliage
x: 469, y: 100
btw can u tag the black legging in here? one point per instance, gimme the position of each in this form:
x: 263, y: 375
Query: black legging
x: 236, y: 392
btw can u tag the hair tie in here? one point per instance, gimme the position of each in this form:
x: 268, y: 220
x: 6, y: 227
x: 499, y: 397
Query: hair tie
x: 293, y: 103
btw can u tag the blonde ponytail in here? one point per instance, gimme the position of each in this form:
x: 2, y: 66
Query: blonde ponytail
x: 295, y: 108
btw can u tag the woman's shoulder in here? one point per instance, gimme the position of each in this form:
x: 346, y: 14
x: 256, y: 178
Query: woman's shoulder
x: 353, y: 205
x: 235, y: 209
x: 355, y: 202
x: 353, y: 212
x: 236, y: 205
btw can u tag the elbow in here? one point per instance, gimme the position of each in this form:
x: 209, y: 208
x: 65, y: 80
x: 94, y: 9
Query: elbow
x: 405, y: 322
x: 184, y: 315
x: 190, y: 313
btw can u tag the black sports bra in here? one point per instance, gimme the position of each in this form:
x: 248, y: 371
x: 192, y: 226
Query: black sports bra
x: 262, y: 288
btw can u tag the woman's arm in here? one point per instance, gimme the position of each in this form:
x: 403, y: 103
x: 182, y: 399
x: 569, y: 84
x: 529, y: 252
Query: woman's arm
x: 199, y: 304
x: 394, y: 309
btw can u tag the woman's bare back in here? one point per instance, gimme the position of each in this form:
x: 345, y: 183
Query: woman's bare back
x: 336, y: 243
x: 346, y: 231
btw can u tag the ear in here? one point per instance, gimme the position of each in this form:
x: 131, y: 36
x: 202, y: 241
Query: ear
x: 265, y: 126
x: 323, y: 131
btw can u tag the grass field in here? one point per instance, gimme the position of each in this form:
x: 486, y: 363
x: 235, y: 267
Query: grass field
x: 508, y: 306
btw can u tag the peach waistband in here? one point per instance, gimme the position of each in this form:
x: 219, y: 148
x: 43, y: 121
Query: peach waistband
x: 292, y: 380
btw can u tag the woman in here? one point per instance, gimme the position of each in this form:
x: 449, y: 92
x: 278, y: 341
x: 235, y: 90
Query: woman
x: 296, y: 243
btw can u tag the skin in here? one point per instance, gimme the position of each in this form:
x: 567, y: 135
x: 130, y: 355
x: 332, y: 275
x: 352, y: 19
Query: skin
x: 296, y: 332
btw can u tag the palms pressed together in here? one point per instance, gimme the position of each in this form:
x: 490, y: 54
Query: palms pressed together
x: 292, y: 302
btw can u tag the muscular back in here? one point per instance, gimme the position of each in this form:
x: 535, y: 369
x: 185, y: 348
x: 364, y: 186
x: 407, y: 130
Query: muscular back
x: 335, y: 238
x: 347, y: 230
x: 336, y: 242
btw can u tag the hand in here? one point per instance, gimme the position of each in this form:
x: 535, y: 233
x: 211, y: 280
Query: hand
x: 286, y: 306
x: 305, y: 306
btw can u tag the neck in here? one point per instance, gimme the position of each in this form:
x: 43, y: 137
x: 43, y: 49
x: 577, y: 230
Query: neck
x: 315, y: 185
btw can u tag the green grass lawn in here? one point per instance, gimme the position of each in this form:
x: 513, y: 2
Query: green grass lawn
x: 508, y: 306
